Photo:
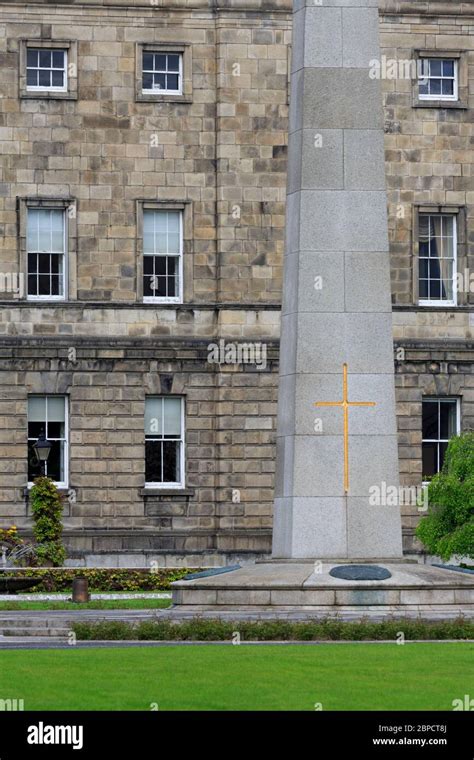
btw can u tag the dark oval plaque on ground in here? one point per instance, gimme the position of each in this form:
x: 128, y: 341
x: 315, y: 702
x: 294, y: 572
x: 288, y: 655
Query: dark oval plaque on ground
x: 360, y: 573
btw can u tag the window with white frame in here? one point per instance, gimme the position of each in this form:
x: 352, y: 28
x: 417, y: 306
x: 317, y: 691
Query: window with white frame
x: 162, y: 72
x: 440, y: 422
x: 162, y: 255
x: 164, y: 441
x: 437, y: 259
x: 46, y: 69
x: 438, y: 79
x: 46, y: 247
x: 47, y: 415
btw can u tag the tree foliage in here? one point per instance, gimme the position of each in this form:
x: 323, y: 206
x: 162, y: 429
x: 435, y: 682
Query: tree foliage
x: 448, y: 528
x: 47, y: 512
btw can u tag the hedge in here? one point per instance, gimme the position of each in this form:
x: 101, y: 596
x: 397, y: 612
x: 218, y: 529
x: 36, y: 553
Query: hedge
x: 103, y: 579
x: 199, y: 629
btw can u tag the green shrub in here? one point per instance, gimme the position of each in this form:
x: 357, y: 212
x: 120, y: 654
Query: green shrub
x: 47, y: 509
x: 448, y: 528
x: 199, y: 629
x: 105, y: 579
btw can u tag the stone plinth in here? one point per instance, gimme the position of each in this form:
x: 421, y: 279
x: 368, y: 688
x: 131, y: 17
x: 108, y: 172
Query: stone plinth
x: 271, y: 587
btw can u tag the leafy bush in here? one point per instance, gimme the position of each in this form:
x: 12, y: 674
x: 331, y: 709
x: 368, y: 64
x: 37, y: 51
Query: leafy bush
x: 105, y: 579
x: 47, y: 510
x: 448, y: 528
x: 199, y: 629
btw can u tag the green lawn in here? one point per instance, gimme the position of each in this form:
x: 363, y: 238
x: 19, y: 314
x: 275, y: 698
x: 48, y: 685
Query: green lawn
x: 98, y: 604
x: 263, y: 677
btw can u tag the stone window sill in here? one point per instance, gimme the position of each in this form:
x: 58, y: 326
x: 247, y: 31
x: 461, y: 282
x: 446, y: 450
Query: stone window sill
x: 48, y: 95
x: 143, y: 98
x: 459, y: 104
x: 166, y: 492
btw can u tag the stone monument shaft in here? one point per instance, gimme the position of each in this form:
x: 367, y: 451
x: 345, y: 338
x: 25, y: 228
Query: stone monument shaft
x: 336, y: 441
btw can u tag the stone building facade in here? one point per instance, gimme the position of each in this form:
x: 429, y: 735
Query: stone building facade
x: 99, y: 167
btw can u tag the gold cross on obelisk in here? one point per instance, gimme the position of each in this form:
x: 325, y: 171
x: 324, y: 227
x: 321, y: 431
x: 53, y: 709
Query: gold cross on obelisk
x: 345, y: 404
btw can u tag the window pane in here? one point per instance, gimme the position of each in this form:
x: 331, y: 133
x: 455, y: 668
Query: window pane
x: 435, y: 86
x: 447, y: 87
x: 161, y: 242
x: 44, y: 230
x: 171, y: 461
x: 55, y: 430
x: 430, y: 419
x: 57, y: 231
x: 148, y: 286
x: 147, y: 61
x: 424, y: 291
x: 435, y: 290
x: 32, y: 262
x: 447, y: 419
x: 31, y: 78
x: 443, y: 447
x: 148, y: 264
x: 56, y: 285
x: 173, y: 63
x: 172, y: 277
x: 32, y: 58
x: 424, y: 248
x: 35, y: 429
x: 148, y: 232
x: 147, y: 81
x: 45, y: 58
x: 160, y: 62
x: 32, y: 230
x: 430, y: 463
x: 58, y: 79
x: 160, y: 265
x: 36, y: 409
x: 159, y: 287
x: 44, y: 260
x: 448, y: 248
x: 32, y: 285
x: 424, y: 227
x: 159, y: 81
x: 173, y: 221
x: 423, y: 267
x: 434, y: 269
x: 44, y: 78
x: 172, y: 82
x: 56, y: 409
x: 447, y: 278
x: 448, y: 68
x: 58, y: 59
x: 173, y: 243
x: 424, y: 89
x: 153, y: 421
x: 435, y: 67
x: 55, y: 263
x: 172, y: 421
x: 34, y: 467
x: 153, y: 461
x: 54, y: 465
x: 44, y: 285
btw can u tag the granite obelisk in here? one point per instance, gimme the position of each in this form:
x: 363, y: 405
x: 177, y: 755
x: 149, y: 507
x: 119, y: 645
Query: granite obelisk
x: 336, y: 443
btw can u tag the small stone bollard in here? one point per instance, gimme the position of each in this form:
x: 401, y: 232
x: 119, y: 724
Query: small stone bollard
x: 80, y: 590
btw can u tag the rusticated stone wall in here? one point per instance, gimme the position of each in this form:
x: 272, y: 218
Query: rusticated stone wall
x: 222, y: 151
